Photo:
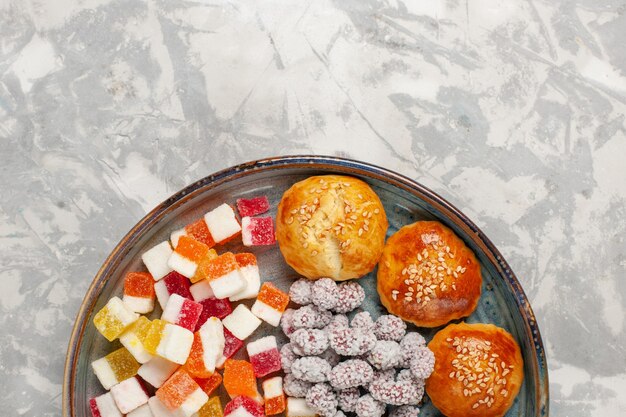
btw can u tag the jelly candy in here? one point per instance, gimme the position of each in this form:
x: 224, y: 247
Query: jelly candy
x: 114, y: 318
x: 180, y: 392
x: 115, y: 367
x: 173, y: 283
x: 222, y: 223
x: 241, y: 322
x: 270, y: 304
x: 182, y: 312
x: 224, y: 276
x: 252, y: 206
x: 139, y: 292
x: 187, y: 255
x: 257, y: 231
x: 239, y: 379
x: 131, y: 339
x: 273, y: 396
x: 264, y: 356
x: 250, y: 272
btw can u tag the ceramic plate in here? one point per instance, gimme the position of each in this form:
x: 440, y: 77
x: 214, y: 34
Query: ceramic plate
x: 503, y: 301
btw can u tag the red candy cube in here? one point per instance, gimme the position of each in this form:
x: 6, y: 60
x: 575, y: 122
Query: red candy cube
x: 231, y: 346
x: 244, y: 406
x: 209, y: 384
x: 264, y: 356
x: 213, y: 307
x: 257, y: 231
x: 173, y: 283
x: 182, y: 311
x: 252, y: 206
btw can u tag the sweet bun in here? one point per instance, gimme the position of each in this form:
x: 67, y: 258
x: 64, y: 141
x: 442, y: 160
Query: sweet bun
x: 331, y: 226
x: 478, y: 370
x: 428, y: 276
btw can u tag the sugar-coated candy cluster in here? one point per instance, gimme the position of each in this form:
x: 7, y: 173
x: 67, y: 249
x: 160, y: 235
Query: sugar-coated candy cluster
x: 337, y: 365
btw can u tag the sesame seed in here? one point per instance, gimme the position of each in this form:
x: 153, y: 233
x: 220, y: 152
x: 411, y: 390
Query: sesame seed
x: 376, y: 211
x: 314, y: 253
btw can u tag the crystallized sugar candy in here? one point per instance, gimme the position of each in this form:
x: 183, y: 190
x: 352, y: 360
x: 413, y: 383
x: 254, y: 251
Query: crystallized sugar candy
x: 129, y: 394
x: 273, y: 396
x: 325, y: 293
x: 257, y: 231
x: 213, y: 307
x: 295, y: 387
x: 264, y: 356
x: 385, y: 355
x: 172, y: 283
x: 350, y: 374
x: 210, y: 384
x: 213, y: 408
x: 156, y: 260
x: 169, y: 341
x: 322, y: 399
x: 287, y: 357
x: 351, y: 296
x: 239, y: 379
x: 348, y: 398
x: 115, y: 367
x: 367, y: 406
x: 310, y: 316
x: 141, y: 411
x: 270, y: 304
x: 250, y: 272
x: 201, y: 290
x: 297, y: 407
x: 252, y: 206
x: 241, y: 322
x: 207, y: 348
x: 182, y: 312
x: 157, y: 371
x: 104, y: 406
x: 243, y: 406
x: 310, y: 341
x: 231, y: 346
x: 159, y: 409
x: 187, y: 255
x: 389, y: 327
x: 311, y: 369
x: 114, y: 318
x: 197, y: 230
x: 182, y: 393
x: 222, y: 223
x: 139, y: 292
x: 224, y: 276
x: 204, y: 266
x: 132, y: 338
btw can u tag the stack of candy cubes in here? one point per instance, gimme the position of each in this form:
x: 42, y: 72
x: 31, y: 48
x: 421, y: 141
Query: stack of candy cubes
x: 170, y: 358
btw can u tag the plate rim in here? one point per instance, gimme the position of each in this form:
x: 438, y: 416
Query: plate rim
x: 321, y: 161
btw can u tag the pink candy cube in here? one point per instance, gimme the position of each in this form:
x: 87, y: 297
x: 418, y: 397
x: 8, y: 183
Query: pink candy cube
x: 257, y: 231
x: 264, y: 356
x: 182, y: 311
x: 104, y: 406
x: 243, y: 407
x: 231, y: 346
x: 252, y: 206
x: 213, y: 307
x: 129, y: 394
x: 173, y: 283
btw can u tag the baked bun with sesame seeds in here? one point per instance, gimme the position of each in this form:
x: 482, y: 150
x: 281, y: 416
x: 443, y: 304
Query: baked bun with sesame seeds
x: 331, y: 226
x: 428, y: 276
x: 478, y: 370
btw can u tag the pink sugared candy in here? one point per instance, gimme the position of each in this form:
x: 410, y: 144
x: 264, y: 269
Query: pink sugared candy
x: 172, y: 283
x: 231, y: 346
x: 252, y: 206
x: 243, y: 407
x: 264, y: 356
x: 257, y: 231
x: 129, y: 394
x: 104, y: 406
x: 213, y: 307
x: 182, y: 311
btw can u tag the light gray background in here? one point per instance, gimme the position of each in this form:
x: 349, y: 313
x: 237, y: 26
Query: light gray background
x: 512, y: 110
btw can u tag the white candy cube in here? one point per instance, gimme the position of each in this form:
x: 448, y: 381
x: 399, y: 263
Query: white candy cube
x: 105, y: 406
x: 266, y: 313
x: 130, y: 340
x: 297, y: 407
x: 129, y: 394
x: 156, y: 259
x: 157, y: 371
x: 228, y: 284
x: 159, y: 409
x: 182, y: 265
x: 241, y: 322
x: 193, y: 403
x: 175, y: 344
x: 143, y: 411
x: 139, y: 304
x: 261, y: 345
x: 273, y: 387
x: 250, y: 274
x: 201, y: 290
x: 103, y: 371
x: 212, y: 338
x: 222, y: 223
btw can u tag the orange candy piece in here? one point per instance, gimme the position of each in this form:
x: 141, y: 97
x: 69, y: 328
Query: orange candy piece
x: 203, y: 266
x: 221, y: 266
x: 275, y: 405
x: 191, y: 249
x: 139, y: 284
x: 239, y: 379
x: 177, y: 389
x: 273, y: 297
x: 199, y: 231
x: 210, y: 384
x: 245, y: 259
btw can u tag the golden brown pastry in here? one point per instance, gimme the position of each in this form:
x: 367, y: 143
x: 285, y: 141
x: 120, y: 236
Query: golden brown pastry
x: 478, y: 370
x: 428, y: 276
x: 331, y: 226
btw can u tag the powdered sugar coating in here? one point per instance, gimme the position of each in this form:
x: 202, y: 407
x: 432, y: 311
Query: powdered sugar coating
x: 351, y: 296
x: 300, y: 291
x: 405, y: 375
x: 311, y: 369
x: 389, y: 327
x: 311, y: 317
x: 325, y: 293
x: 322, y: 399
x: 363, y: 320
x: 338, y: 320
x: 423, y: 363
x: 351, y: 373
x: 347, y: 399
x: 295, y: 387
x: 402, y: 392
x: 310, y: 341
x: 405, y: 411
x: 287, y: 357
x: 384, y: 355
x: 367, y: 406
x: 409, y: 344
x: 351, y: 342
x: 286, y: 321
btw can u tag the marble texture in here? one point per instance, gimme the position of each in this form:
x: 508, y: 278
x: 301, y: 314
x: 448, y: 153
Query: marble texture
x: 514, y: 111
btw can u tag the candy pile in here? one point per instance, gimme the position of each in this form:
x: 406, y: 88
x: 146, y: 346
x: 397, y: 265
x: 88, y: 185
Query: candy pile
x: 335, y: 365
x: 176, y: 357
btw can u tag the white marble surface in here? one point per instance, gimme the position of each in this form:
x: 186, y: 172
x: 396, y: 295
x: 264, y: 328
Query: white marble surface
x: 512, y: 110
